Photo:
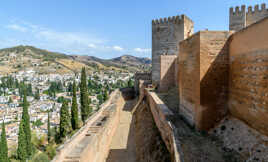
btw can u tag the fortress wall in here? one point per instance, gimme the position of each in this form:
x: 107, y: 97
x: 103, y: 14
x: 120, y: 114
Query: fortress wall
x: 162, y: 119
x: 256, y: 14
x: 141, y: 76
x: 237, y: 18
x: 166, y: 35
x: 188, y: 76
x: 240, y: 18
x: 91, y: 142
x: 214, y: 72
x: 203, y: 78
x: 167, y: 72
x: 248, y: 98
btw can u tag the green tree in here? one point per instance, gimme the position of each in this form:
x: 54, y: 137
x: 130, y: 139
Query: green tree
x: 29, y: 90
x: 21, y: 150
x: 74, y: 109
x: 10, y: 100
x: 37, y: 94
x: 85, y: 109
x: 48, y: 127
x: 64, y: 120
x: 26, y: 125
x: 4, y: 149
x: 105, y: 95
x: 100, y: 98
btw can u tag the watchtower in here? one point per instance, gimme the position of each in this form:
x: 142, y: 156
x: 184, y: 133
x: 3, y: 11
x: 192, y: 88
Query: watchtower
x: 240, y: 18
x: 166, y: 35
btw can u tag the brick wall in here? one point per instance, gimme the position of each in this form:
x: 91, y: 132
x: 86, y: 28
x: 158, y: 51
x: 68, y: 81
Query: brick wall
x: 167, y: 72
x: 248, y: 99
x: 203, y: 78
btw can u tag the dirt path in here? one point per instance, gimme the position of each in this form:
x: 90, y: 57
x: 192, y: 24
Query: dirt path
x: 123, y: 148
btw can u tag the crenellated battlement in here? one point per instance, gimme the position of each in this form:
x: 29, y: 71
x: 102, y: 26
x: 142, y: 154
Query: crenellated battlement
x: 257, y: 8
x: 174, y: 20
x: 240, y: 17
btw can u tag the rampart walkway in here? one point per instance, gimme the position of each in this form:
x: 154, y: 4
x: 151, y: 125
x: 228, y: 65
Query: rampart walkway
x: 122, y: 148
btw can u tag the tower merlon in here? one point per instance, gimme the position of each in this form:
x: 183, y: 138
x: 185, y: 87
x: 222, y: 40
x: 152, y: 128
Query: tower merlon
x: 238, y: 10
x: 174, y: 20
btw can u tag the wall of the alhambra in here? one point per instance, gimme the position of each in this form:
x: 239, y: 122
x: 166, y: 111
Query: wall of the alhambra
x: 203, y: 78
x: 237, y: 18
x: 166, y: 35
x: 167, y: 72
x: 256, y: 15
x: 164, y: 41
x: 248, y: 98
x: 188, y: 77
x: 214, y: 65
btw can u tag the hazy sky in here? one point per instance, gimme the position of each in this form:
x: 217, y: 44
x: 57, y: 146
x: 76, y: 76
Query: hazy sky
x: 102, y: 28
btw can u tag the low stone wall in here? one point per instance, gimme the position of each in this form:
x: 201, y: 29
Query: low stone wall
x: 91, y: 142
x: 162, y: 118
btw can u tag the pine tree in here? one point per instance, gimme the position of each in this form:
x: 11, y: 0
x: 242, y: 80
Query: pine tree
x: 74, y: 109
x: 64, y: 120
x: 21, y: 150
x: 4, y: 149
x: 48, y: 126
x: 26, y: 125
x: 85, y: 110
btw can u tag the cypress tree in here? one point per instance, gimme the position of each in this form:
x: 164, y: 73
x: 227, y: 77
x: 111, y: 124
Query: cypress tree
x: 4, y: 149
x: 26, y: 125
x: 64, y: 120
x: 74, y: 109
x: 21, y: 150
x: 84, y: 96
x: 48, y: 127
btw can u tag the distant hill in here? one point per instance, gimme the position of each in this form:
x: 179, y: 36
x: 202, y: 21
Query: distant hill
x: 29, y: 57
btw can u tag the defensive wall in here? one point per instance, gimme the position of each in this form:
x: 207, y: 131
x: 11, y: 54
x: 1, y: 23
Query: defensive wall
x: 248, y: 95
x: 147, y: 77
x: 166, y: 34
x: 203, y: 78
x: 241, y: 18
x: 167, y: 72
x: 92, y: 141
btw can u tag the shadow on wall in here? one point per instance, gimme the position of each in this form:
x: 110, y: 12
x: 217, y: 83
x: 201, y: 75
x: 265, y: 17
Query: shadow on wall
x: 168, y: 71
x: 124, y: 138
x: 214, y: 87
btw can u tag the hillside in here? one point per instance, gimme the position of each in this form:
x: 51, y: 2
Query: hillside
x: 29, y: 57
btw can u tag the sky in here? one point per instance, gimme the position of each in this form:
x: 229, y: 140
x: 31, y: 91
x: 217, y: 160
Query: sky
x: 103, y: 28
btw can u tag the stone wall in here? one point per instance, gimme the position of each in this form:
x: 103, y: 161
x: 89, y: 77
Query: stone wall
x: 203, y: 78
x: 248, y: 99
x: 166, y: 34
x: 149, y: 145
x: 167, y: 72
x: 188, y: 76
x: 92, y: 141
x: 240, y: 18
x: 141, y: 76
x: 162, y: 119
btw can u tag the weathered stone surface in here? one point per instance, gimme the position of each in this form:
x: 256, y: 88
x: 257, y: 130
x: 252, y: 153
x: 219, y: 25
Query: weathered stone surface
x: 240, y: 18
x: 238, y: 136
x: 166, y: 35
x: 147, y: 77
x: 248, y: 99
x: 167, y: 72
x: 203, y: 78
x: 91, y: 142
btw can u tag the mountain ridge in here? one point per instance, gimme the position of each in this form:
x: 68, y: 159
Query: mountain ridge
x: 14, y: 58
